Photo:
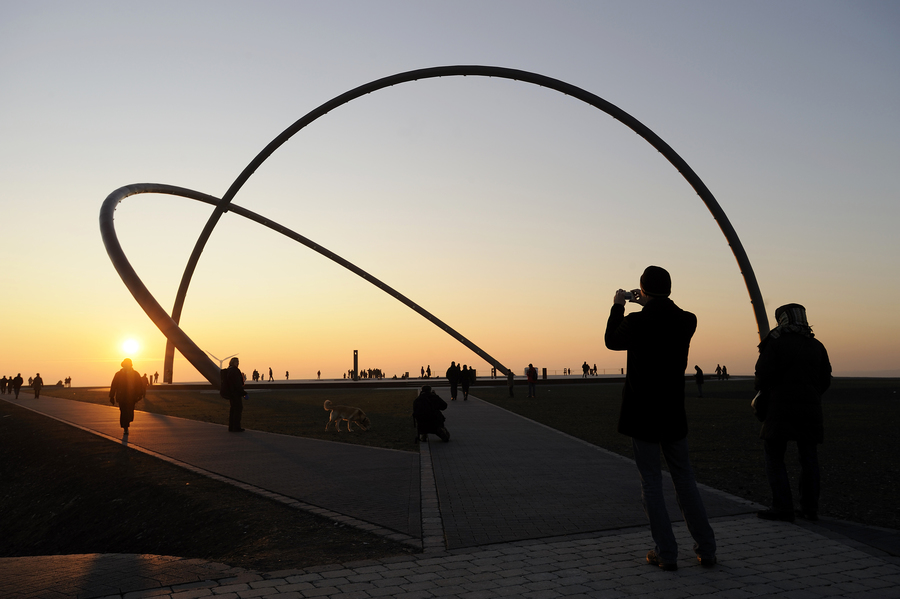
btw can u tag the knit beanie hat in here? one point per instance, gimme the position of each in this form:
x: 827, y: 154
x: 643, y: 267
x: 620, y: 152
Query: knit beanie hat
x: 656, y: 282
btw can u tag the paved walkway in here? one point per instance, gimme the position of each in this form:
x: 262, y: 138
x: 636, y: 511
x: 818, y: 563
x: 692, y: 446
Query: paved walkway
x: 507, y: 508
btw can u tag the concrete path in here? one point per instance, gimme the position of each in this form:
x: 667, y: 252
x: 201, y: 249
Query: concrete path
x: 507, y: 508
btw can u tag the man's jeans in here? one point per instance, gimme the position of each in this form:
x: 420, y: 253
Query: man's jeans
x: 782, y: 501
x: 646, y: 455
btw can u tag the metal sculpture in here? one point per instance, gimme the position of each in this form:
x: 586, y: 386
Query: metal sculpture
x: 169, y: 325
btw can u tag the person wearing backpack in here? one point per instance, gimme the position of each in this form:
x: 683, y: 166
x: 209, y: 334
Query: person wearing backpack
x: 427, y: 415
x: 126, y: 389
x: 232, y: 389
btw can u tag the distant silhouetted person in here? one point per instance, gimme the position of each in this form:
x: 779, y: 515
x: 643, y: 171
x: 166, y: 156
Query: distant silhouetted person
x: 453, y: 379
x: 465, y: 379
x: 792, y: 372
x: 719, y: 372
x: 698, y: 378
x: 271, y: 378
x: 4, y: 383
x: 126, y: 389
x: 287, y: 375
x: 595, y: 370
x: 511, y: 382
x: 725, y: 372
x: 422, y: 372
x: 531, y: 377
x: 232, y: 389
x: 584, y: 370
x: 37, y: 384
x: 657, y: 340
x: 428, y: 417
x: 155, y: 378
x: 17, y: 384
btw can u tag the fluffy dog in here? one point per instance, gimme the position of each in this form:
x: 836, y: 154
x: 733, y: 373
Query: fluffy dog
x: 348, y: 414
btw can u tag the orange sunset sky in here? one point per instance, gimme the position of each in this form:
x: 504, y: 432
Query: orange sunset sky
x: 509, y: 211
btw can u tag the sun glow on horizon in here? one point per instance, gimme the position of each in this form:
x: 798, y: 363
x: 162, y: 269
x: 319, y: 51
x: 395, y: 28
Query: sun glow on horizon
x: 130, y: 347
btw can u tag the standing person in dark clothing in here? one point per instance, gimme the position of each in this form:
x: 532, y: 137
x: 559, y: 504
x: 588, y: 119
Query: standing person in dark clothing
x: 37, y: 384
x: 531, y: 376
x: 465, y: 379
x: 657, y: 340
x: 17, y: 384
x: 698, y: 378
x: 453, y: 379
x: 233, y: 390
x: 3, y: 384
x: 127, y: 389
x: 427, y: 415
x: 792, y: 372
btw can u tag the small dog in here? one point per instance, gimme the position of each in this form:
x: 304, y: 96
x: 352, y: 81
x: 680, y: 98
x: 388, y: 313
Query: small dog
x: 348, y: 414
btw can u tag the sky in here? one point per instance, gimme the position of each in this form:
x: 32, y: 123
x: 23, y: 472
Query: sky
x: 511, y: 212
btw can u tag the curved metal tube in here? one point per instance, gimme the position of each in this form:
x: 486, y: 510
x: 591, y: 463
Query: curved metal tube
x: 484, y: 71
x: 170, y: 328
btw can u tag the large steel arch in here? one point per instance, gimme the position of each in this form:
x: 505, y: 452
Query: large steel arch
x: 172, y: 331
x: 483, y: 71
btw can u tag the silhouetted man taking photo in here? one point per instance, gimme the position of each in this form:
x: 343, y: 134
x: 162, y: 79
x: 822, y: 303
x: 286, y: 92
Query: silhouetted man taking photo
x: 657, y: 340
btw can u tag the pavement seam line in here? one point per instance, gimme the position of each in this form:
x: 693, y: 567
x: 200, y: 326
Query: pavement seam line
x: 430, y: 510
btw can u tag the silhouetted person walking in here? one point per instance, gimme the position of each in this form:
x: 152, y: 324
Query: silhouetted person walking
x: 465, y: 379
x: 17, y: 384
x: 584, y: 370
x: 233, y: 390
x: 37, y: 384
x: 126, y: 389
x: 698, y: 378
x: 453, y: 379
x: 657, y: 340
x: 792, y: 372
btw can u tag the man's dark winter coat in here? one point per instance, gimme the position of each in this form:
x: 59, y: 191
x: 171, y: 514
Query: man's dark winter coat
x: 657, y: 339
x: 793, y: 372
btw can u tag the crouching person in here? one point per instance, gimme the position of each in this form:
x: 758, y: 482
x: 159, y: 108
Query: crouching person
x: 427, y: 415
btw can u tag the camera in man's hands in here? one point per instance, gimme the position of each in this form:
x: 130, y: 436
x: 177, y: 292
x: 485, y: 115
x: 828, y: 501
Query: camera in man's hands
x: 628, y: 296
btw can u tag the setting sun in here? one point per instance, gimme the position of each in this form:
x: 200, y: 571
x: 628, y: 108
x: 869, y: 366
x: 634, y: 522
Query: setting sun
x: 130, y: 347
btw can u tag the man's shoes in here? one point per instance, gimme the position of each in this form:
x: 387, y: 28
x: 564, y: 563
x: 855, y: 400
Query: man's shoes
x: 775, y: 515
x: 653, y: 560
x: 807, y: 515
x: 707, y: 562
